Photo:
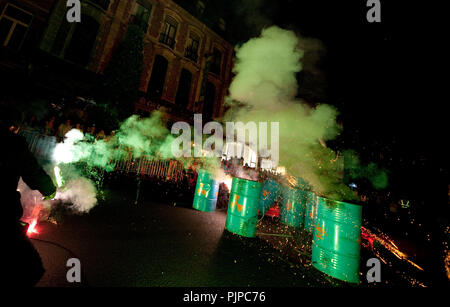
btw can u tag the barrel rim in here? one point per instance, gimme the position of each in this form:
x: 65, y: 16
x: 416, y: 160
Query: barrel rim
x: 337, y: 201
x: 248, y: 179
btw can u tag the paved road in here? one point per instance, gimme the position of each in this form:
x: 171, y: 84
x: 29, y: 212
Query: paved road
x: 151, y: 244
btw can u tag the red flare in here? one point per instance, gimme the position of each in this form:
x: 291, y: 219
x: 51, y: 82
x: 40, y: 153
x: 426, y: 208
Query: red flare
x: 32, y: 228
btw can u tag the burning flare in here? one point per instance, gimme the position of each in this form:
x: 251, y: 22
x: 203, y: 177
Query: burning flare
x: 32, y: 228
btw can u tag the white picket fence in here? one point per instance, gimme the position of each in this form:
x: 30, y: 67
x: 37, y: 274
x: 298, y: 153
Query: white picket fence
x: 42, y: 147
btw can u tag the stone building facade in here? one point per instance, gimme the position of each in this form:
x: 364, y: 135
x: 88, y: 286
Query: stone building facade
x: 187, y: 66
x: 22, y: 24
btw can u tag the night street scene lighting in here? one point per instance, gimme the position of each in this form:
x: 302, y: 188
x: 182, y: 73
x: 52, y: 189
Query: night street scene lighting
x: 221, y: 151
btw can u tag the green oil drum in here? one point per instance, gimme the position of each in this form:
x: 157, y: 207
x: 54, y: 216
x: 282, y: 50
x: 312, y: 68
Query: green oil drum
x: 269, y: 193
x: 337, y: 239
x: 292, y: 212
x: 311, y: 210
x: 206, y: 192
x: 242, y: 215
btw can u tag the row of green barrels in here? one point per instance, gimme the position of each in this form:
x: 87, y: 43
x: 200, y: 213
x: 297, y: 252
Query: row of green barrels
x: 335, y: 226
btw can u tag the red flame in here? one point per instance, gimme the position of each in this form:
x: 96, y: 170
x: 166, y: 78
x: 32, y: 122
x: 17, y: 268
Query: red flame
x: 32, y: 228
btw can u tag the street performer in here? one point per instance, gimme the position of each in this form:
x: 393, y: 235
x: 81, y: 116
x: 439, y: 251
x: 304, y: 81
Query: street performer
x: 21, y: 263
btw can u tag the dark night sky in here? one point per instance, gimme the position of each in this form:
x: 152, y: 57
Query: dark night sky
x: 378, y: 76
x: 377, y: 73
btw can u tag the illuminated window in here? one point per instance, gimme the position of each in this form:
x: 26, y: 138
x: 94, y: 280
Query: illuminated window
x: 191, y: 51
x: 14, y: 24
x: 169, y: 31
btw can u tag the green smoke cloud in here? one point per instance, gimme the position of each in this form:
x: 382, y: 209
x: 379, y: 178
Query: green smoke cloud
x: 264, y: 89
x: 136, y: 136
x: 357, y: 170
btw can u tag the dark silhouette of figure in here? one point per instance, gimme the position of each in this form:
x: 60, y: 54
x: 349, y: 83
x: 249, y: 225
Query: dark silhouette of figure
x: 21, y: 263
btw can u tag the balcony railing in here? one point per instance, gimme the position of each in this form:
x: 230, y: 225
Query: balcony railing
x: 167, y: 40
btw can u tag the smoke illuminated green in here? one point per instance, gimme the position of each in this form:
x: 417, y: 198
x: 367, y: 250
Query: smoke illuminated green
x: 356, y: 170
x: 136, y: 136
x: 265, y: 82
x: 59, y: 180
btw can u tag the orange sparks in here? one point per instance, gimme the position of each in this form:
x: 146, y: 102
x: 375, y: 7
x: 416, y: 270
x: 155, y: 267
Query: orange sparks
x: 390, y: 245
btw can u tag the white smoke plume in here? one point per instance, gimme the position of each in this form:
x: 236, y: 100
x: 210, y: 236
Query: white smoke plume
x: 264, y: 90
x: 33, y: 205
x: 80, y: 192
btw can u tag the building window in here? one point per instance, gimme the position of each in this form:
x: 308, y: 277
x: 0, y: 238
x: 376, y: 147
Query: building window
x: 191, y: 51
x: 216, y: 64
x: 156, y: 84
x: 141, y: 15
x: 210, y: 98
x: 83, y: 40
x: 104, y: 4
x: 61, y: 36
x: 169, y: 31
x: 14, y: 24
x: 184, y: 88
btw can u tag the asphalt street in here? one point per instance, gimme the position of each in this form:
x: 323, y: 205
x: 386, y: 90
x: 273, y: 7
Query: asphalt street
x: 155, y: 244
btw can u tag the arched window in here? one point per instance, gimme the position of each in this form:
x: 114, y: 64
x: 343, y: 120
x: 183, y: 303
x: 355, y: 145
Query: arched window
x: 184, y: 88
x: 216, y: 64
x: 169, y: 31
x: 210, y: 97
x: 83, y: 40
x: 193, y: 43
x: 141, y: 14
x: 158, y: 78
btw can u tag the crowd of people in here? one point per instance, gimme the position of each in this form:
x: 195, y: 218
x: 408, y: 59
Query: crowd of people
x: 59, y: 126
